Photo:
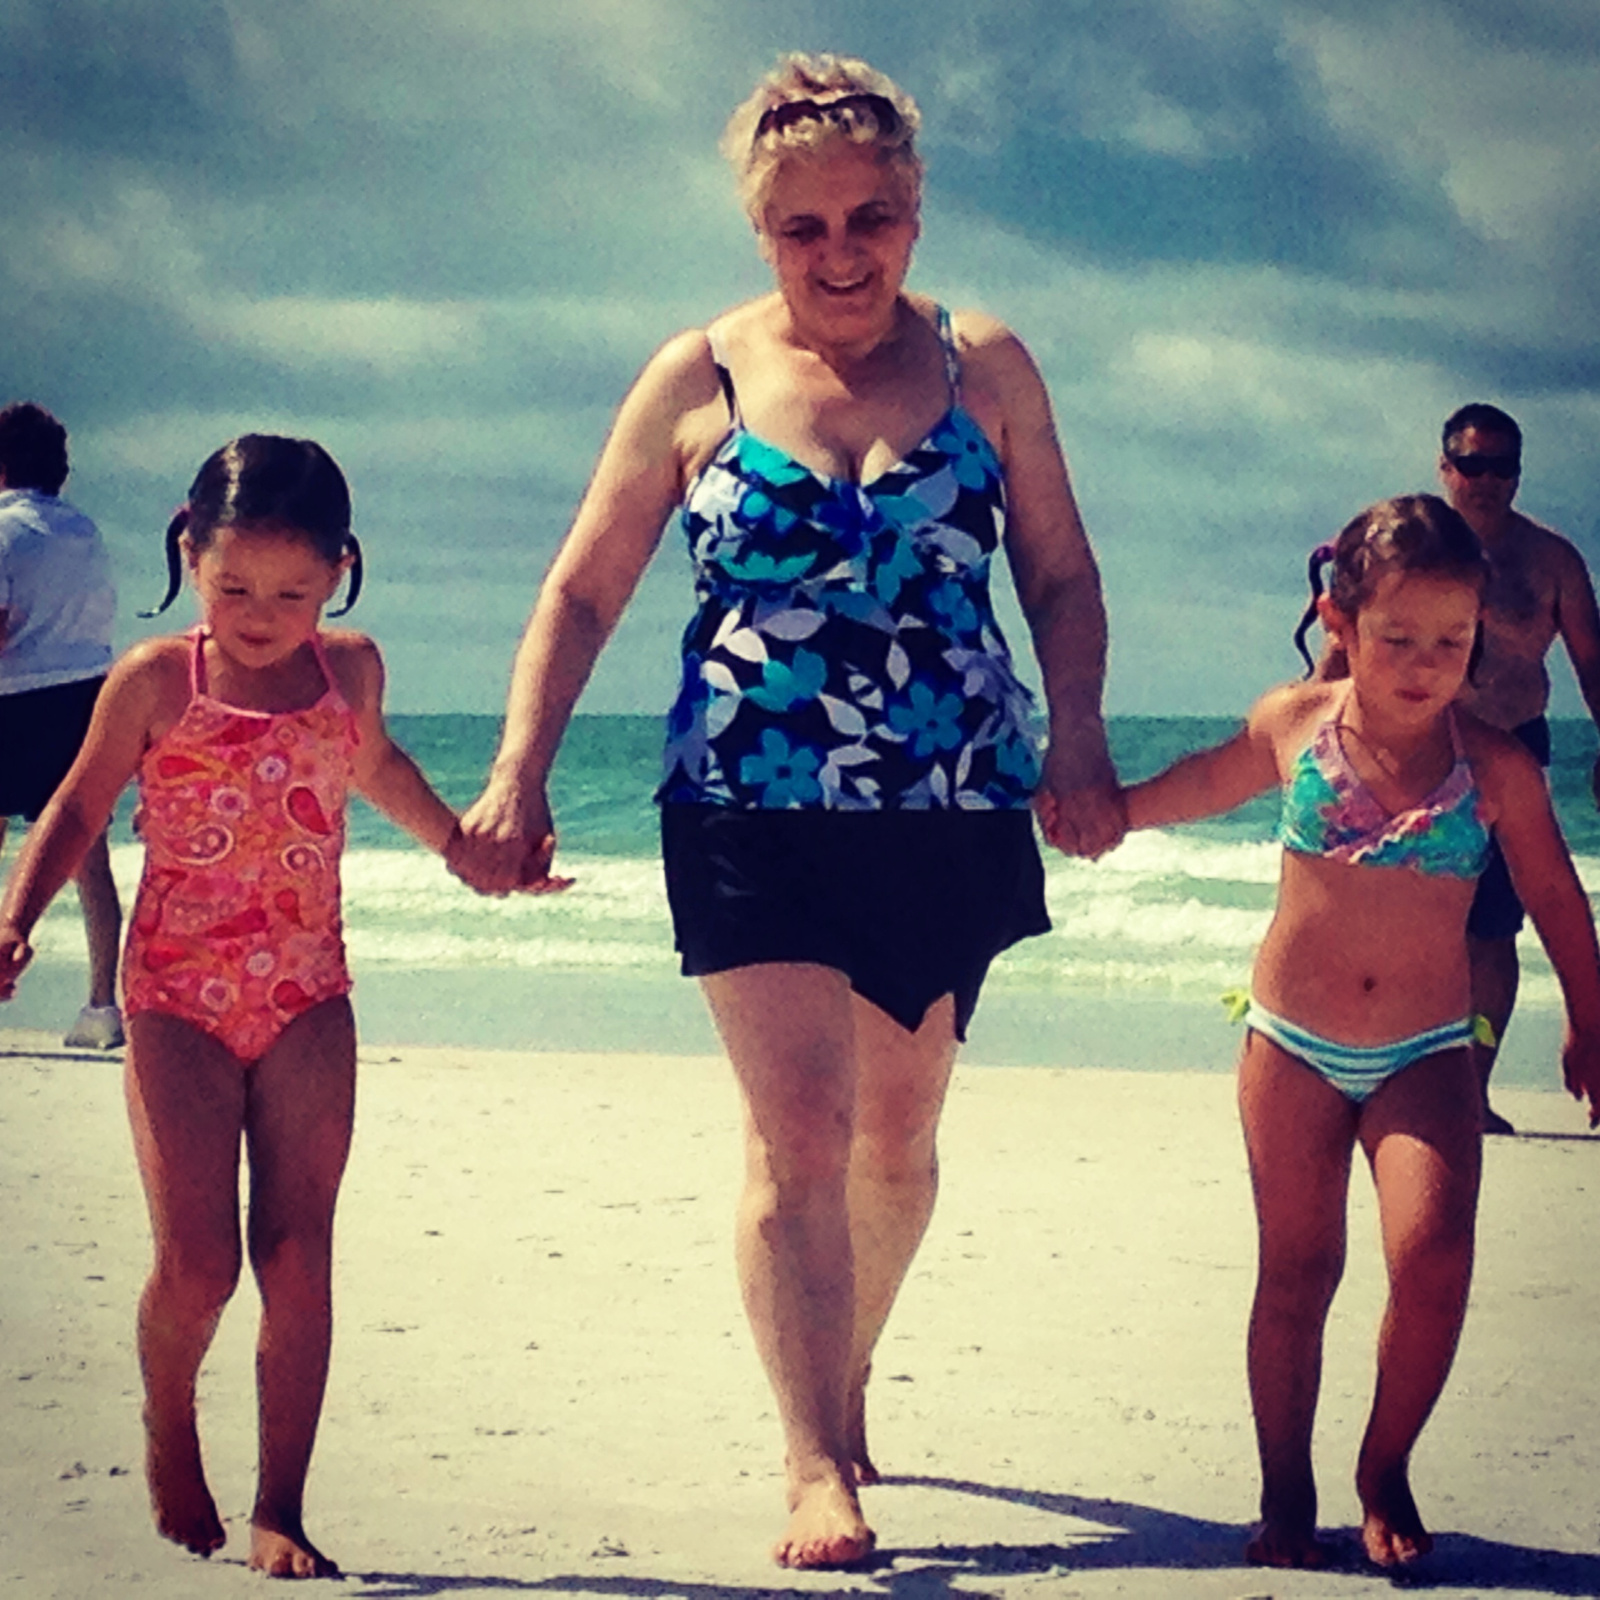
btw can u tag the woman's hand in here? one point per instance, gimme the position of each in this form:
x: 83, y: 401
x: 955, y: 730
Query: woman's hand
x: 1082, y: 822
x: 1079, y: 803
x: 501, y: 845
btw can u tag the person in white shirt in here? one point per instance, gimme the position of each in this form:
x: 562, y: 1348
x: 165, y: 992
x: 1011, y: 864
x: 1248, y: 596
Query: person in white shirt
x: 56, y: 608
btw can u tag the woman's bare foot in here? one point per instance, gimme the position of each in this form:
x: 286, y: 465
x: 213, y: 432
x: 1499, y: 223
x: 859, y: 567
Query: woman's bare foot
x: 279, y: 1548
x: 826, y: 1528
x: 179, y: 1498
x: 1276, y: 1545
x: 1391, y: 1526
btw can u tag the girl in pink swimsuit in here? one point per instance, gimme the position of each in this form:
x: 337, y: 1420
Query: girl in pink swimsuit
x: 1360, y: 1005
x: 245, y: 736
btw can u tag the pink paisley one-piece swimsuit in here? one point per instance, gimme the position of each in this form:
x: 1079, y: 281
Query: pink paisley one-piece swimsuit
x: 236, y: 927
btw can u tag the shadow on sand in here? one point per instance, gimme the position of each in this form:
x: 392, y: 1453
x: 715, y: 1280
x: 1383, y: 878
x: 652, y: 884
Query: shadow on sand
x: 1117, y: 1535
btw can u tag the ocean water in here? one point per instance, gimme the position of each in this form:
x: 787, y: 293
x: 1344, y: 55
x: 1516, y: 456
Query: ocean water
x: 1144, y: 942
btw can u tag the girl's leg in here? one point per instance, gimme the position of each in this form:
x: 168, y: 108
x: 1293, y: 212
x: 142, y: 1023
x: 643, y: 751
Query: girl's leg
x: 1421, y: 1132
x: 789, y: 1032
x: 298, y: 1120
x: 901, y: 1081
x: 186, y: 1101
x: 1299, y: 1134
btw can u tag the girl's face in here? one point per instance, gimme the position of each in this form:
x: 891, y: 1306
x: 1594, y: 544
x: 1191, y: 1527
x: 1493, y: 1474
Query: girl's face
x: 1410, y: 643
x: 262, y: 590
x: 837, y: 231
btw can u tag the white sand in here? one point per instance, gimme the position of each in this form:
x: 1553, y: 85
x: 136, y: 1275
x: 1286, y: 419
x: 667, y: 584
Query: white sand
x: 543, y: 1383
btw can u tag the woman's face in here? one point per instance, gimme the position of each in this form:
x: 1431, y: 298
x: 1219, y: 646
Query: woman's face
x: 837, y: 230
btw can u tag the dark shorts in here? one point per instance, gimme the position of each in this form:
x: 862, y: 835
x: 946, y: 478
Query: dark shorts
x: 1496, y: 911
x: 908, y: 905
x: 41, y: 731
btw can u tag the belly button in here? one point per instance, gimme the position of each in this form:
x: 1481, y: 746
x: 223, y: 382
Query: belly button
x: 1369, y: 984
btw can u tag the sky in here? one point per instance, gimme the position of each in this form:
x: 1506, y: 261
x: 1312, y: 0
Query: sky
x: 1259, y: 250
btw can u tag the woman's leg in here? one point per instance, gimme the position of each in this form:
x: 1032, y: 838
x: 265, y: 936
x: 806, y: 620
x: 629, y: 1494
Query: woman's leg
x: 789, y: 1032
x: 1299, y: 1134
x: 186, y: 1100
x: 901, y: 1081
x: 1421, y: 1132
x: 298, y: 1120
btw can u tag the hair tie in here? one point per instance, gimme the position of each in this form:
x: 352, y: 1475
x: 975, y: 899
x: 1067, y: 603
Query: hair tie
x: 1322, y: 554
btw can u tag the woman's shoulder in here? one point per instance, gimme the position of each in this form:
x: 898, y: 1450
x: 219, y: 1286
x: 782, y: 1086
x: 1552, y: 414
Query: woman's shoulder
x: 681, y: 377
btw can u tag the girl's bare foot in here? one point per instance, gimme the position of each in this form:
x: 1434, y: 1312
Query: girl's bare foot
x: 179, y: 1498
x: 279, y: 1548
x: 1391, y: 1527
x: 1276, y: 1545
x: 826, y: 1528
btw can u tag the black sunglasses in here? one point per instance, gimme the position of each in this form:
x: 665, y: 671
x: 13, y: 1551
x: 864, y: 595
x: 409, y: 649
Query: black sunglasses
x: 1478, y: 466
x: 788, y: 112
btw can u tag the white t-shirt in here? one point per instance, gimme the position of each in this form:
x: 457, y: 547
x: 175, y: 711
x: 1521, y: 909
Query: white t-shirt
x: 55, y: 591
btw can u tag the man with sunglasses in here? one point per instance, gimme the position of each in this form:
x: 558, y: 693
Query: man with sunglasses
x: 1540, y: 591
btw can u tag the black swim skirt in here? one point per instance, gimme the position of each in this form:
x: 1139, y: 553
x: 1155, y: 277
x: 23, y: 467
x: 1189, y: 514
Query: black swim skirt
x: 41, y: 731
x: 908, y: 905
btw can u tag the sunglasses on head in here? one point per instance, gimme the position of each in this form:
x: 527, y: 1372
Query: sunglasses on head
x: 788, y: 112
x: 1476, y: 465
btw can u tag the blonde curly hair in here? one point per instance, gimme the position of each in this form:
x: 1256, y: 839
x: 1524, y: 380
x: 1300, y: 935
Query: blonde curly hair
x: 755, y: 152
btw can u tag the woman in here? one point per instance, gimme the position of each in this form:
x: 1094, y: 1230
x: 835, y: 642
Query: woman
x: 846, y: 831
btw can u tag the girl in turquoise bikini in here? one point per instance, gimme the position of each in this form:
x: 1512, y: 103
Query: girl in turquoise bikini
x: 1360, y: 1006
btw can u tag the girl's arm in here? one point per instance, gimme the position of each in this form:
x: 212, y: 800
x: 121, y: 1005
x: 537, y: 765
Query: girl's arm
x: 384, y: 773
x: 1212, y: 781
x: 128, y: 707
x: 1057, y: 583
x: 1547, y: 884
x: 508, y: 835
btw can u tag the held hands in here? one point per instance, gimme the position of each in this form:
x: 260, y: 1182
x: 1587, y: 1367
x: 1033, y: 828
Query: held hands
x: 499, y: 847
x: 15, y: 954
x: 1580, y: 1067
x: 1081, y: 813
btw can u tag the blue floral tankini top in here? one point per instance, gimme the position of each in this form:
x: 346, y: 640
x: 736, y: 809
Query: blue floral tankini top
x: 843, y: 654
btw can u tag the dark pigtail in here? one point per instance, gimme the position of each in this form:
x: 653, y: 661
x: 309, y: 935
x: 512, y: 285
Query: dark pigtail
x: 352, y: 547
x: 174, y: 544
x: 1320, y: 557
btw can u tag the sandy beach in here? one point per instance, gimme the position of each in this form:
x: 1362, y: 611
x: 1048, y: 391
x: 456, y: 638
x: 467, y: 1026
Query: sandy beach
x: 543, y: 1384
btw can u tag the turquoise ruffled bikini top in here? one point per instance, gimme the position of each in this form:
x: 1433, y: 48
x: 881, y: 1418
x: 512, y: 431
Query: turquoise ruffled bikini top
x: 1329, y: 811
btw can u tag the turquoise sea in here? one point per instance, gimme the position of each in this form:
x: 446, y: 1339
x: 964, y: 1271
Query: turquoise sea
x: 1144, y: 940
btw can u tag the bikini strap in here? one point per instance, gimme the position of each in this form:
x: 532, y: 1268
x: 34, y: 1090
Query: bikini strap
x: 724, y: 377
x: 952, y: 357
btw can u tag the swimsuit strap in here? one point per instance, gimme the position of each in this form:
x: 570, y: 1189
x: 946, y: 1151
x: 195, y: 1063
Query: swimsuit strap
x: 320, y: 651
x: 725, y: 378
x: 197, y: 668
x: 197, y: 662
x: 952, y: 357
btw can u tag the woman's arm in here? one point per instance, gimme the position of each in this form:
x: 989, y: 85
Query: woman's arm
x: 383, y: 772
x: 136, y: 698
x: 507, y: 835
x: 1058, y: 585
x: 1547, y: 884
x: 1209, y: 782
